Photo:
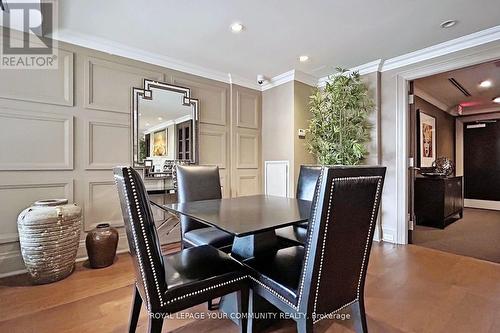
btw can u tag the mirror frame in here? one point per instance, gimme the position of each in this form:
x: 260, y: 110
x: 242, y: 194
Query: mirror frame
x: 147, y: 93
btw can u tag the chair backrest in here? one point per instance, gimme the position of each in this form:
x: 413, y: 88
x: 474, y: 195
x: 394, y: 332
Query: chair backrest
x: 142, y: 237
x: 339, y: 238
x: 194, y: 183
x: 308, y: 176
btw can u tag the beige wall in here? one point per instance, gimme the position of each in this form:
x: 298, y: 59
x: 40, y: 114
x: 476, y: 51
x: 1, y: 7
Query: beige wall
x: 284, y: 110
x: 277, y: 126
x: 63, y: 130
x: 301, y: 113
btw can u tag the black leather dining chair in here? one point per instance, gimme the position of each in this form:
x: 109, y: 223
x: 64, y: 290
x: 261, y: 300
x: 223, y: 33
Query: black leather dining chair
x: 308, y: 176
x: 168, y: 284
x: 196, y: 183
x: 328, y: 274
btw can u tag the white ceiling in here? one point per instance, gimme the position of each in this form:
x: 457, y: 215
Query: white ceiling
x: 333, y: 33
x: 439, y: 88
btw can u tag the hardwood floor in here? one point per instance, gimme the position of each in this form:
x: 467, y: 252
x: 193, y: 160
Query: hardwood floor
x: 409, y: 289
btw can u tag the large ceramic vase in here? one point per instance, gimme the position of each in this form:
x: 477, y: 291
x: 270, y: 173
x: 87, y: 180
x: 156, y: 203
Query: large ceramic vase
x: 101, y: 245
x: 49, y: 234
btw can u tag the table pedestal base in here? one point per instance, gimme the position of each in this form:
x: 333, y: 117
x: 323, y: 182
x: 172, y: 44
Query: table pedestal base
x: 250, y: 246
x: 265, y: 314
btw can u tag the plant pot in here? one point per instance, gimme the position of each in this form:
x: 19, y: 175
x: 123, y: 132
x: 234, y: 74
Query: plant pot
x: 101, y: 245
x: 49, y: 234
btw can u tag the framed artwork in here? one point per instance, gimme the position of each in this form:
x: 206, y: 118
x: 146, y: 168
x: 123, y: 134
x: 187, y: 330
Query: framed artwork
x: 160, y: 143
x: 148, y: 163
x: 426, y: 139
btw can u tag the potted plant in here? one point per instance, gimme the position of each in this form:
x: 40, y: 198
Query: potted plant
x: 339, y: 128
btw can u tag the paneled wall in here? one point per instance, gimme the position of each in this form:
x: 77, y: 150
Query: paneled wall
x: 61, y: 132
x: 246, y: 143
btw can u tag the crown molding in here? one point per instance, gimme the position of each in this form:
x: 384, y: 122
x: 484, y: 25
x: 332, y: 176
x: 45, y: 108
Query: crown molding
x: 244, y: 82
x: 105, y: 45
x: 278, y: 80
x: 305, y: 78
x: 454, y: 45
x: 113, y: 48
x: 369, y: 67
x: 433, y: 100
x: 292, y: 75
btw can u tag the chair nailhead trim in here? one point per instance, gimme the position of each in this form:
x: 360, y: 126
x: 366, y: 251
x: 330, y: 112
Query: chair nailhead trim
x: 275, y: 293
x: 194, y: 293
x: 373, y: 220
x: 323, y: 245
x: 148, y: 250
x: 306, y: 261
x: 296, y: 306
x: 335, y: 311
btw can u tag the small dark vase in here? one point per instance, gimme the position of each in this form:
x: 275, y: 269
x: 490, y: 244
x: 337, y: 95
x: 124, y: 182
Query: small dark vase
x: 101, y: 245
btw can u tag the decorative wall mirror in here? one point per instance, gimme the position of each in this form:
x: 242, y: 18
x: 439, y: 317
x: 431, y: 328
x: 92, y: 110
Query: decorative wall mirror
x: 164, y: 125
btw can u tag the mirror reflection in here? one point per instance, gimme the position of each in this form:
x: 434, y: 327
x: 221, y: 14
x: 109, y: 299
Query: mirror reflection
x: 165, y: 126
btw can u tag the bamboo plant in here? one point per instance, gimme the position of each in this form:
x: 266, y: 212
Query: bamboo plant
x: 339, y: 129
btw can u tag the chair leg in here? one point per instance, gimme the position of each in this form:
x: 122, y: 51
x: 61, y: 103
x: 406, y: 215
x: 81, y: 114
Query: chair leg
x: 155, y: 325
x: 244, y: 298
x: 304, y: 325
x: 359, y: 315
x: 135, y: 310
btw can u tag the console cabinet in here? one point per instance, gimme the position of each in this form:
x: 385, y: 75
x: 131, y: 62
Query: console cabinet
x: 438, y: 201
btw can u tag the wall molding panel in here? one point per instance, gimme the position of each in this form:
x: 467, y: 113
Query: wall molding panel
x: 213, y: 145
x: 108, y: 85
x: 107, y: 144
x: 24, y: 135
x: 102, y: 204
x: 247, y: 150
x: 247, y: 110
x: 212, y: 97
x: 248, y: 182
x: 17, y: 197
x: 41, y: 86
x: 246, y: 142
x: 64, y: 130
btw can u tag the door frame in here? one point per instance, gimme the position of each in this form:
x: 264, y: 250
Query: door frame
x: 464, y: 58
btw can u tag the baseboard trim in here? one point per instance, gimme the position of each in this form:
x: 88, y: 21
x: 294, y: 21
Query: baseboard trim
x: 23, y: 271
x: 389, y: 235
x: 482, y: 204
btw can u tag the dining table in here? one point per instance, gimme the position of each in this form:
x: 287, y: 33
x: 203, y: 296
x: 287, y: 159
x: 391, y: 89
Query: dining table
x: 252, y: 220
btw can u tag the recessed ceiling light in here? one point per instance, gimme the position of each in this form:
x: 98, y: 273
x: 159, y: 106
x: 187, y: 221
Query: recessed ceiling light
x: 486, y: 84
x: 448, y: 24
x: 140, y: 114
x: 496, y: 99
x: 147, y: 124
x: 160, y: 118
x: 236, y: 27
x: 303, y: 58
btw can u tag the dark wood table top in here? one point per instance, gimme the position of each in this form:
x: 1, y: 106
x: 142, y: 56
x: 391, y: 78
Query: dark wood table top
x: 245, y: 216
